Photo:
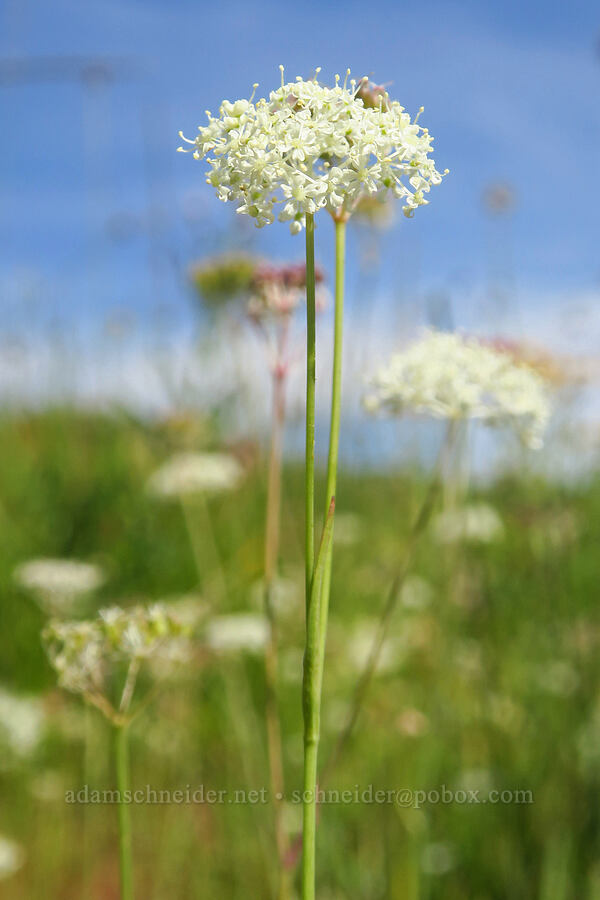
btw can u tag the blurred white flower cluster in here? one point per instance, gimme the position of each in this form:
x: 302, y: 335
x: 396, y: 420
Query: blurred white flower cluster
x: 85, y: 653
x: 349, y: 529
x: 476, y: 523
x: 12, y: 857
x: 286, y: 596
x: 455, y: 377
x: 196, y: 473
x: 416, y: 593
x: 238, y: 631
x: 59, y: 584
x: 360, y: 644
x: 22, y: 721
x: 310, y: 147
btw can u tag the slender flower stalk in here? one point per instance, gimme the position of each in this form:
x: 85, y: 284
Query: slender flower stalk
x: 319, y: 603
x: 122, y: 771
x: 274, y: 478
x: 311, y: 702
x: 273, y: 516
x: 336, y: 407
x: 310, y: 407
x: 310, y: 708
x: 191, y: 478
x: 201, y: 533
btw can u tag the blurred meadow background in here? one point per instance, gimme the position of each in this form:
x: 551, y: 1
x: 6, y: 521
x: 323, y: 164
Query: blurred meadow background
x: 125, y: 348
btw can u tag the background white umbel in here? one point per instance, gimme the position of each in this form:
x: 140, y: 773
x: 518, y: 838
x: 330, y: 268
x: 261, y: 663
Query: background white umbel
x: 449, y: 376
x: 59, y: 585
x: 196, y: 473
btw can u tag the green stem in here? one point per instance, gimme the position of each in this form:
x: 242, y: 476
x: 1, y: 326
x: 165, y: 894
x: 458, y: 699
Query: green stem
x: 311, y: 701
x: 310, y: 406
x: 122, y: 769
x: 319, y: 594
x: 310, y: 747
x: 87, y: 819
x: 334, y: 428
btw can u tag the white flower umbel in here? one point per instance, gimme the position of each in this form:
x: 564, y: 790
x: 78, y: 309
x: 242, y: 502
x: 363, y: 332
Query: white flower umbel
x: 101, y: 660
x: 450, y: 376
x: 241, y: 631
x: 196, y: 473
x: 21, y: 724
x: 76, y: 652
x: 84, y: 654
x: 59, y: 584
x: 309, y: 147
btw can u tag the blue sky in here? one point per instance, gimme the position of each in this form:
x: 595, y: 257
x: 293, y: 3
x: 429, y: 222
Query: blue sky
x: 99, y: 214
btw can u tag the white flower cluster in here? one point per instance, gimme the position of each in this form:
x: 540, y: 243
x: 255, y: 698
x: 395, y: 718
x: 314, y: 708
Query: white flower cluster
x: 59, y: 584
x: 196, y: 473
x: 454, y: 377
x: 84, y: 653
x: 309, y: 147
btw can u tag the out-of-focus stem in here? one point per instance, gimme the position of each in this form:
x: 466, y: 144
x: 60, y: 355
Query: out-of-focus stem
x: 274, y: 478
x: 192, y: 507
x: 274, y: 744
x: 122, y: 772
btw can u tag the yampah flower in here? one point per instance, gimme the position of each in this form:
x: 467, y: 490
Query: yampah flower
x: 196, y: 473
x: 59, y: 584
x: 84, y: 654
x: 454, y: 377
x: 309, y: 147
